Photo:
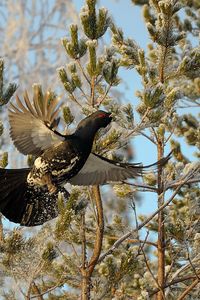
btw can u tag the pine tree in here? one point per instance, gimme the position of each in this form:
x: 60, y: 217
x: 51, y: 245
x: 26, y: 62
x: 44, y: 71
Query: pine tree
x: 93, y: 250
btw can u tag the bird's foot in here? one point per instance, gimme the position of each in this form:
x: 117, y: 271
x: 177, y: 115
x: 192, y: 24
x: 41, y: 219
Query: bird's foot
x: 52, y: 188
x: 47, y: 180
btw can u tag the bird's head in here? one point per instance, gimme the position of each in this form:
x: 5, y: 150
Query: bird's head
x: 88, y: 127
x: 100, y: 118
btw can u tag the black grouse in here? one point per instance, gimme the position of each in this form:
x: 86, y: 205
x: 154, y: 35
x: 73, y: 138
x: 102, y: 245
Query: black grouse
x: 29, y: 196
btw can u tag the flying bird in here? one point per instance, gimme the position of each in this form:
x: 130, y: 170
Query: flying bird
x: 29, y: 196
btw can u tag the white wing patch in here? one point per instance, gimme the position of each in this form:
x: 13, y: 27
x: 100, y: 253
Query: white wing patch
x: 67, y: 169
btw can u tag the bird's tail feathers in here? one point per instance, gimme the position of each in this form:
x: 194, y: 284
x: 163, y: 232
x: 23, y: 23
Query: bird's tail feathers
x: 142, y: 170
x: 159, y: 163
x: 26, y: 204
x: 12, y: 189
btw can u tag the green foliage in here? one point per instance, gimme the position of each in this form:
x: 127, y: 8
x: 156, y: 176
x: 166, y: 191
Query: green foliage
x: 4, y: 160
x: 94, y: 25
x: 128, y: 48
x: 67, y: 115
x: 74, y: 48
x: 67, y: 83
x: 49, y: 253
x: 5, y: 94
x: 67, y: 211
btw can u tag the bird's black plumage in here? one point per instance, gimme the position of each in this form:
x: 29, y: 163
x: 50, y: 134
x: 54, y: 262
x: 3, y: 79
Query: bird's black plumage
x: 29, y: 196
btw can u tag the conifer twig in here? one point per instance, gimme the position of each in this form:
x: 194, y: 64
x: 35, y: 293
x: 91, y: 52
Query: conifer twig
x: 138, y: 125
x: 145, y: 187
x: 82, y: 70
x: 150, y: 271
x: 100, y: 101
x: 35, y: 287
x: 140, y: 226
x: 46, y: 292
x: 92, y: 87
x: 135, y: 241
x: 188, y: 289
x: 173, y: 282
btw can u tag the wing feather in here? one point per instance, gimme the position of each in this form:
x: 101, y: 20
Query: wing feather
x: 28, y: 124
x: 99, y: 170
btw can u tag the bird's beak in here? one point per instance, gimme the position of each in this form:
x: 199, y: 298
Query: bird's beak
x: 110, y: 115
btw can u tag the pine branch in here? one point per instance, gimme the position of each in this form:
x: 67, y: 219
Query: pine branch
x: 46, y: 292
x: 161, y: 228
x: 176, y: 183
x: 87, y: 269
x: 189, y: 289
x: 99, y: 230
x: 152, y: 275
x: 85, y: 283
x: 143, y: 224
x: 173, y: 282
x: 135, y: 241
x: 36, y: 289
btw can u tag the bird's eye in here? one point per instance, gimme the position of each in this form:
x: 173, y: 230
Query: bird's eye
x: 102, y: 115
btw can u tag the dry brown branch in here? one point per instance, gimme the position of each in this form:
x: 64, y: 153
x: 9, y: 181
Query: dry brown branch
x: 36, y: 289
x: 184, y: 268
x: 144, y: 187
x: 84, y: 255
x: 189, y: 288
x: 92, y: 91
x: 83, y: 71
x: 85, y: 283
x: 135, y: 241
x: 137, y: 127
x: 73, y: 98
x: 161, y: 227
x: 192, y: 265
x: 88, y: 268
x: 150, y: 271
x: 100, y: 101
x: 46, y: 292
x: 175, y: 183
x: 173, y: 282
x: 99, y: 229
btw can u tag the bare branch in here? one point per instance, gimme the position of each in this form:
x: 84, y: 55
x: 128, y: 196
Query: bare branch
x: 173, y: 282
x: 189, y: 288
x: 99, y: 229
x: 145, y: 187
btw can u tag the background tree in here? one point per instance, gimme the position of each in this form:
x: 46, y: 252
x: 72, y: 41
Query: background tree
x: 100, y: 253
x: 30, y: 47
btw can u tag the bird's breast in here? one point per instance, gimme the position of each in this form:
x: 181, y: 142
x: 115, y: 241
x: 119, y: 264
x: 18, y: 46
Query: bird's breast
x: 60, y: 163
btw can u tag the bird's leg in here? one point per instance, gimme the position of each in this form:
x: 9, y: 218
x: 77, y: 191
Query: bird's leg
x: 46, y: 179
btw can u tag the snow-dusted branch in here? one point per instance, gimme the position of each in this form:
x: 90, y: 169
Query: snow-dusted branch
x: 140, y: 226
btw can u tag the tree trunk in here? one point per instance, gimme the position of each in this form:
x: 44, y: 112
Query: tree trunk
x: 161, y: 229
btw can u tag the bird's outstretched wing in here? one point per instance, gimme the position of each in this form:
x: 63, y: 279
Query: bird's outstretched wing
x: 32, y: 125
x: 99, y: 170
